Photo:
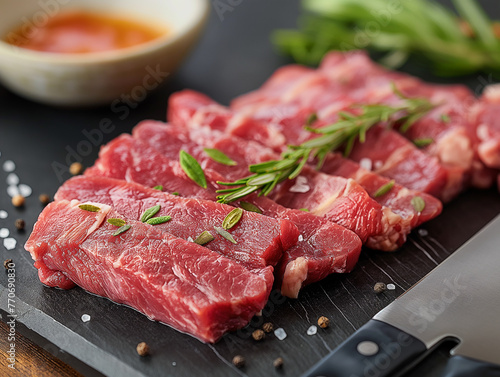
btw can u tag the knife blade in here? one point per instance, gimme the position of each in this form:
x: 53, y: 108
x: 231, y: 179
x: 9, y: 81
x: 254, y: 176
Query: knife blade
x: 459, y: 299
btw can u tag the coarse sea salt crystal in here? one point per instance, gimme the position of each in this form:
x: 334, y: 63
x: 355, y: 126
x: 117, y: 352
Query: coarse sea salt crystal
x: 280, y: 333
x: 301, y: 238
x: 9, y: 166
x: 391, y: 287
x: 9, y: 243
x: 423, y: 232
x: 12, y: 179
x: 378, y: 164
x: 12, y: 190
x: 85, y: 318
x: 312, y: 330
x: 25, y: 190
x: 366, y: 163
x: 190, y: 239
x: 4, y: 233
x: 3, y: 214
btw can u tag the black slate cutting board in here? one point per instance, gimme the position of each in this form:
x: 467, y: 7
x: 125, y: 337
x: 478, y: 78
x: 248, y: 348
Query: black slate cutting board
x: 233, y: 57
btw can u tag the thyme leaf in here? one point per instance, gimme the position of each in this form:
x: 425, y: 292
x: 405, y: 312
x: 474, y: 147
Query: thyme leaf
x: 89, y: 207
x: 117, y: 222
x: 384, y: 189
x: 224, y: 233
x: 339, y: 135
x: 418, y: 203
x: 250, y: 207
x: 158, y: 220
x: 219, y: 156
x: 192, y: 169
x: 121, y: 230
x: 150, y: 212
x: 424, y: 142
x: 204, y: 238
x: 232, y: 218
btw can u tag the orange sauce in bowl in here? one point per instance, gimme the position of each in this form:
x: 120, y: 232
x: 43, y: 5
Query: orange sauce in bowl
x: 81, y: 32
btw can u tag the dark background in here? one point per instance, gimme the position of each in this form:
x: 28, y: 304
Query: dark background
x: 233, y: 57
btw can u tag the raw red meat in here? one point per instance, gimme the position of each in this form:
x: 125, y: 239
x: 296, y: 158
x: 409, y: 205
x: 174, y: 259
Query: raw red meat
x: 345, y: 79
x: 448, y: 125
x: 185, y: 285
x: 261, y: 239
x: 485, y: 116
x: 186, y: 108
x: 398, y: 199
x: 324, y: 247
x: 339, y: 200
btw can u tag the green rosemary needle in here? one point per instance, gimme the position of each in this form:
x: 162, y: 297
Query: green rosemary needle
x: 341, y: 134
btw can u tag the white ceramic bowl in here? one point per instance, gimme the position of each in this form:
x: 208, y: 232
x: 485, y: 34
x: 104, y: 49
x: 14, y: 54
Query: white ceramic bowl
x: 104, y: 77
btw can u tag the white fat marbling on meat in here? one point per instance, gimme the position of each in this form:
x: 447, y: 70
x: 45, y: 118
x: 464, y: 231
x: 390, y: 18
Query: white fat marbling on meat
x: 492, y: 93
x: 300, y: 185
x: 455, y: 149
x: 366, y: 163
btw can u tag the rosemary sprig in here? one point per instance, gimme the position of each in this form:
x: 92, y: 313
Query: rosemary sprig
x: 351, y: 126
x: 422, y: 28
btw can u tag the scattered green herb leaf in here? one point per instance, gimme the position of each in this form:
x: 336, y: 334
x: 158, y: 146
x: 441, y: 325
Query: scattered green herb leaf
x: 424, y: 142
x: 175, y: 193
x: 250, y: 207
x: 224, y: 233
x: 418, y: 203
x: 304, y: 209
x: 117, y: 222
x: 232, y: 218
x: 121, y: 230
x: 204, y: 238
x: 158, y: 220
x: 89, y: 207
x: 313, y: 117
x: 341, y: 134
x: 219, y: 156
x: 384, y: 189
x: 150, y: 212
x: 445, y: 118
x: 159, y: 187
x: 192, y: 168
x: 437, y: 34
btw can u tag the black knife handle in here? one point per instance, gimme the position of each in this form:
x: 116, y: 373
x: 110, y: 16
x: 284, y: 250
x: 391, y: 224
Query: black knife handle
x: 356, y: 357
x: 459, y: 366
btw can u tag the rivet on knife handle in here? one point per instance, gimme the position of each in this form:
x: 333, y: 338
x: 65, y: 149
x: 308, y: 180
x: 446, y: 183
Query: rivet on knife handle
x: 376, y: 349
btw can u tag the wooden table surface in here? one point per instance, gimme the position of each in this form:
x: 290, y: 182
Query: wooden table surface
x: 31, y: 360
